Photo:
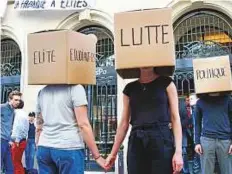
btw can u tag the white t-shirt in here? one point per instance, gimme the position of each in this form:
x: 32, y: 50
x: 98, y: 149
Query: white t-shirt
x: 56, y: 103
x: 20, y: 126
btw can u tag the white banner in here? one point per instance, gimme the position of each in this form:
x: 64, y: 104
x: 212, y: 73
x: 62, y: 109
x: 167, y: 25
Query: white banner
x: 27, y: 5
x: 3, y: 5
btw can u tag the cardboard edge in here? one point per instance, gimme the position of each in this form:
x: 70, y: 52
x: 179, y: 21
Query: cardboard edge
x: 145, y: 9
x: 48, y: 31
x: 133, y: 73
x: 67, y: 35
x: 206, y: 93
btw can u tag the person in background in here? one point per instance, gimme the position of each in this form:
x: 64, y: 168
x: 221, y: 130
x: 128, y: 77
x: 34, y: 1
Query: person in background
x: 186, y: 122
x: 213, y: 133
x: 7, y: 119
x: 196, y: 167
x: 19, y: 138
x: 30, y: 149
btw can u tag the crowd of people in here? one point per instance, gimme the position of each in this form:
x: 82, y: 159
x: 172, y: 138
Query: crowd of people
x: 17, y: 136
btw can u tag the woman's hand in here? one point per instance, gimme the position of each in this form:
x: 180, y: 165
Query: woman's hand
x: 177, y: 162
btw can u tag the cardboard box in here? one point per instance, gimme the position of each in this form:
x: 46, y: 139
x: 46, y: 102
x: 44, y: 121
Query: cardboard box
x: 61, y: 57
x: 212, y: 75
x: 144, y: 39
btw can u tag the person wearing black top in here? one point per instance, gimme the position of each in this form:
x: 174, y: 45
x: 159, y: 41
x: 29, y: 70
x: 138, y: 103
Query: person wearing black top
x: 150, y: 105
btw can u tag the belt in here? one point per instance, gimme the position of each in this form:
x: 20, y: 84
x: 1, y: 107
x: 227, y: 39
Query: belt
x: 141, y: 131
x: 156, y: 125
x: 24, y: 139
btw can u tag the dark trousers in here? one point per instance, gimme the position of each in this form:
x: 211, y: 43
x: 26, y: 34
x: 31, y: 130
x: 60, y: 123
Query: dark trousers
x: 150, y: 150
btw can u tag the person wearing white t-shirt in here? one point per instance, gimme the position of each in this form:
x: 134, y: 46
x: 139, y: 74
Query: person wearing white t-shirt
x: 19, y: 137
x: 62, y: 128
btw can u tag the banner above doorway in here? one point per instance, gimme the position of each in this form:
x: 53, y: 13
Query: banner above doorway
x: 31, y: 5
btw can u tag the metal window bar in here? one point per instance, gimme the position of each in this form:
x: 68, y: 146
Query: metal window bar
x: 10, y: 68
x: 200, y: 34
x: 10, y: 58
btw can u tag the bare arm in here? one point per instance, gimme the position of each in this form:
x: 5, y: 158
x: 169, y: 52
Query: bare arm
x: 86, y: 129
x: 39, y: 126
x: 175, y: 117
x: 123, y: 126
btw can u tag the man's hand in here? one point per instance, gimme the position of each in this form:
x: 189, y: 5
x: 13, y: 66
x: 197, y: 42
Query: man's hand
x: 14, y: 144
x: 198, y: 149
x: 17, y: 144
x: 11, y: 143
x: 230, y: 150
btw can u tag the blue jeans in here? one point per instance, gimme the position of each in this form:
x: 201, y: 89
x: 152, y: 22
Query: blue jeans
x: 30, y: 154
x: 6, y: 160
x: 53, y: 161
x: 185, y: 169
x: 196, y: 164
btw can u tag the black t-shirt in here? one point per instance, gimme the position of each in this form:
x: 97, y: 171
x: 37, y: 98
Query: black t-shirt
x: 148, y: 101
x: 31, y: 132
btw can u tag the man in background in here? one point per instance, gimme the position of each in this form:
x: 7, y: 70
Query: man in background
x: 7, y: 119
x: 30, y: 149
x: 213, y: 132
x: 186, y: 122
x: 19, y: 138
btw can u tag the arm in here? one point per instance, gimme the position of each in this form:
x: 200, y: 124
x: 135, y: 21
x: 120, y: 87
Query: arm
x: 121, y: 132
x: 123, y: 126
x: 175, y: 117
x: 38, y: 120
x: 39, y: 125
x: 86, y: 129
x: 197, y: 124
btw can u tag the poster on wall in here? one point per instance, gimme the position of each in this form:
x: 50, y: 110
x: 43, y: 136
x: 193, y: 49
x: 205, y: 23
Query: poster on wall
x: 31, y: 5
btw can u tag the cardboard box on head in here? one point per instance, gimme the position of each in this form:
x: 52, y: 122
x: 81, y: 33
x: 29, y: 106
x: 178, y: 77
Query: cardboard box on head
x: 61, y: 57
x: 144, y: 39
x: 212, y: 75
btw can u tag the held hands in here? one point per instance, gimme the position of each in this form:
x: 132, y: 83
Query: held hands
x: 101, y: 162
x: 107, y: 163
x: 110, y: 161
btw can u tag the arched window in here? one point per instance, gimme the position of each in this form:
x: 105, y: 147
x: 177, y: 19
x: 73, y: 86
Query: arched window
x: 199, y: 34
x: 10, y: 67
x: 102, y: 97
